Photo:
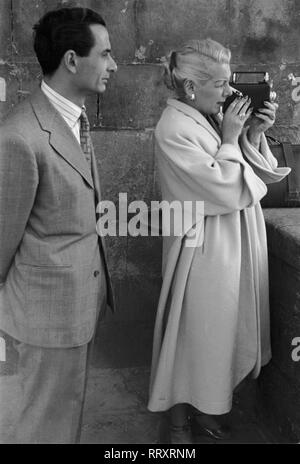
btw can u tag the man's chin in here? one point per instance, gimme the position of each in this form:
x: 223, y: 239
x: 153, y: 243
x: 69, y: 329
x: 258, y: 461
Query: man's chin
x: 100, y: 89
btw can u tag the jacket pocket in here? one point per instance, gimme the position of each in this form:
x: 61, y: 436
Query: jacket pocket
x: 49, y: 295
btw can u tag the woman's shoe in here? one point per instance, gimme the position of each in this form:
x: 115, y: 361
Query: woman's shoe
x: 204, y: 424
x: 180, y: 435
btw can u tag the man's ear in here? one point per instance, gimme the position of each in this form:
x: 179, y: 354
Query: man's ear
x: 189, y: 88
x: 70, y: 61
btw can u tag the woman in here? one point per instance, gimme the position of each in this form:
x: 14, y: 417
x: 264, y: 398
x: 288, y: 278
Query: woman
x: 212, y: 324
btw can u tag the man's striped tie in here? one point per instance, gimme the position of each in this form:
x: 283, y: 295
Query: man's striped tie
x: 85, y: 138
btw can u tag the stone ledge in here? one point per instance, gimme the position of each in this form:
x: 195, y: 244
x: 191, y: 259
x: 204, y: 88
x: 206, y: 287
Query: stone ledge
x: 279, y: 382
x: 283, y: 230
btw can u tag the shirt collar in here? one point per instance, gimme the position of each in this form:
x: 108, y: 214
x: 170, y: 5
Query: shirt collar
x: 62, y: 104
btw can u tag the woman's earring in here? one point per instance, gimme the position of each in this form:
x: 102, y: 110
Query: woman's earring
x: 192, y: 97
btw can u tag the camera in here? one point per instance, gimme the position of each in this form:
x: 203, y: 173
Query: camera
x: 256, y: 85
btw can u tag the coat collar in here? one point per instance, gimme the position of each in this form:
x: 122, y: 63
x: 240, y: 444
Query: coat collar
x: 61, y: 137
x: 196, y: 115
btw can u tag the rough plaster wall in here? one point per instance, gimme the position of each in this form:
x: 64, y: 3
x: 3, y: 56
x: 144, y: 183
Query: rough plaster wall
x: 262, y: 34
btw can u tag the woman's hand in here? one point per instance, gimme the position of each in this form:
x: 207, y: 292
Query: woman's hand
x: 234, y: 119
x: 261, y: 121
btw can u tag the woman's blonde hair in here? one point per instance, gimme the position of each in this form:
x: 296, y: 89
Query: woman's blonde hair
x: 192, y: 62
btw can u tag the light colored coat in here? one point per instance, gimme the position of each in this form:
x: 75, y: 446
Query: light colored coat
x: 212, y: 324
x: 51, y: 258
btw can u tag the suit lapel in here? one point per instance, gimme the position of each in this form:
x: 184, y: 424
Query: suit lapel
x: 95, y: 176
x: 196, y: 115
x: 61, y: 137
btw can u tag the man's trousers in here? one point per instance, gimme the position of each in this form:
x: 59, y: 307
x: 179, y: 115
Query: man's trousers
x: 42, y: 391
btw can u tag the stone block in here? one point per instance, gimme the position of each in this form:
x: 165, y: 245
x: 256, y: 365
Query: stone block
x: 283, y: 231
x: 144, y: 255
x: 285, y: 316
x: 285, y: 286
x: 285, y: 133
x: 264, y: 31
x: 116, y: 253
x: 279, y: 404
x: 134, y: 98
x: 125, y: 160
x: 283, y: 331
x: 163, y: 26
x: 277, y: 218
x: 120, y: 16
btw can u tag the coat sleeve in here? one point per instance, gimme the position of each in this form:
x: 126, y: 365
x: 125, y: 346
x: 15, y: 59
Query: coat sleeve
x: 263, y: 162
x: 225, y: 182
x: 18, y: 184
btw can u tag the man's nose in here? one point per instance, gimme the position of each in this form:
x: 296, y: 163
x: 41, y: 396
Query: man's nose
x: 112, y: 65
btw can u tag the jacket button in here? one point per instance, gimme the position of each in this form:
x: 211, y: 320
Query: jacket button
x: 96, y: 273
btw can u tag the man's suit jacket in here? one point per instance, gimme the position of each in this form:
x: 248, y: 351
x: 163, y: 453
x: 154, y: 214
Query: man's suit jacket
x: 51, y: 257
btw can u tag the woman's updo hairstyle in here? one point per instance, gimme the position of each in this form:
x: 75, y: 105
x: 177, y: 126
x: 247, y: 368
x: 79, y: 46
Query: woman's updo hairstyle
x: 191, y: 62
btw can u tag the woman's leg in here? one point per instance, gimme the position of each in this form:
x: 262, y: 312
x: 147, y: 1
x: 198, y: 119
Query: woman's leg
x: 179, y: 415
x: 180, y: 428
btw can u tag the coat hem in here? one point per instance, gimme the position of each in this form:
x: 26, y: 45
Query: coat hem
x: 213, y: 407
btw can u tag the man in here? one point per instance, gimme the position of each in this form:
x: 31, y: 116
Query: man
x: 53, y: 272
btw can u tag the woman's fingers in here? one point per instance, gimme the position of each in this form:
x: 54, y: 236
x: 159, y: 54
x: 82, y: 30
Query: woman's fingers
x: 264, y: 117
x: 246, y: 106
x: 269, y: 109
x: 240, y: 105
x: 273, y: 105
x: 236, y: 103
x: 267, y: 112
x: 249, y: 112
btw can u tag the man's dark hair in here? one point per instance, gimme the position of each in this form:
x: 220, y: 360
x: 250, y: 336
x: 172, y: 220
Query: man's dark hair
x: 61, y: 30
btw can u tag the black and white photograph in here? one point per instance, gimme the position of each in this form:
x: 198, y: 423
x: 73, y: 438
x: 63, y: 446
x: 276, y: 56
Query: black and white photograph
x: 149, y: 225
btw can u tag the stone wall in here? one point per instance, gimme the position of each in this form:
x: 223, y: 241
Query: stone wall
x: 279, y: 382
x: 262, y: 34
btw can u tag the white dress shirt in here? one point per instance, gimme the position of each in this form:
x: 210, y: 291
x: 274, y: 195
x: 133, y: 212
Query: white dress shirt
x: 67, y: 109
